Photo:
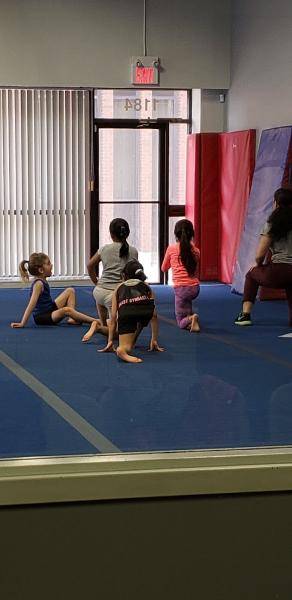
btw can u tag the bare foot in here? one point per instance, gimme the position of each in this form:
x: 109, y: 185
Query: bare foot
x: 73, y: 322
x: 126, y: 357
x: 94, y: 327
x: 195, y: 325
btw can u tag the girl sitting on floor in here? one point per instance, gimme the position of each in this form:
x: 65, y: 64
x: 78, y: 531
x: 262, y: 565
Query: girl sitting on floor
x: 45, y: 310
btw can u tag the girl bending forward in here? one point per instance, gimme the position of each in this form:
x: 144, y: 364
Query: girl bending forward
x: 183, y: 258
x: 132, y: 309
x: 45, y: 310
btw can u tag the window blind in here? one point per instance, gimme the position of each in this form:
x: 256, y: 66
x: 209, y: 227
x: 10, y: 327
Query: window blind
x: 44, y: 179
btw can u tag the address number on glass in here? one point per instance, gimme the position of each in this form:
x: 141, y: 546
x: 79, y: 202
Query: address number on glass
x: 144, y: 104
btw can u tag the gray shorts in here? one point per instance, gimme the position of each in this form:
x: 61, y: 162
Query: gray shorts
x: 104, y: 298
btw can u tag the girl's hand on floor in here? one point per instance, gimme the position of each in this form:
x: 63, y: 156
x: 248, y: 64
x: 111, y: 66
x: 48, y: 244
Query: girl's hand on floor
x: 16, y: 325
x: 154, y: 347
x: 108, y: 348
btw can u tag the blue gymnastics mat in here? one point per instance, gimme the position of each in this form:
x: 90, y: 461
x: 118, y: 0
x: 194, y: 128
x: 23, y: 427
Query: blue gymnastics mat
x: 226, y: 387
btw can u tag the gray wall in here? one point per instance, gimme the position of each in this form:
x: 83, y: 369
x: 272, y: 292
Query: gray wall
x: 261, y: 84
x: 208, y: 111
x: 213, y: 111
x: 90, y: 43
x: 197, y: 548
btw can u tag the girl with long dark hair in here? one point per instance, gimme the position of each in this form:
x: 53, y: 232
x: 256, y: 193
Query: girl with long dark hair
x: 133, y: 308
x: 113, y: 258
x: 183, y: 258
x: 276, y: 237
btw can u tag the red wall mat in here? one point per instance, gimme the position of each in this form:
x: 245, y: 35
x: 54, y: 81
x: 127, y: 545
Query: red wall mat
x: 219, y: 173
x: 236, y: 167
x: 193, y: 179
x: 209, y: 225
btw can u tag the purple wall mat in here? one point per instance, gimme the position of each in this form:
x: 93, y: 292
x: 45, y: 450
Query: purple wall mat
x: 268, y: 176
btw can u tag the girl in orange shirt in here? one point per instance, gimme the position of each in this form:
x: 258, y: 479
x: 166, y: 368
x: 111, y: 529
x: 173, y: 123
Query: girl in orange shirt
x: 183, y: 258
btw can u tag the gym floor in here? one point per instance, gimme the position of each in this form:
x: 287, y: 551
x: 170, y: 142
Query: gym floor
x: 225, y: 387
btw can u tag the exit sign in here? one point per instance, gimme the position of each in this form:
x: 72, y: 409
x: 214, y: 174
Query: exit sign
x: 144, y: 76
x: 145, y: 70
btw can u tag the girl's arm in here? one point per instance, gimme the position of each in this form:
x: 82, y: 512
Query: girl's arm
x: 154, y: 329
x: 112, y: 325
x: 91, y: 267
x: 262, y: 249
x: 197, y: 252
x: 166, y: 262
x: 37, y: 290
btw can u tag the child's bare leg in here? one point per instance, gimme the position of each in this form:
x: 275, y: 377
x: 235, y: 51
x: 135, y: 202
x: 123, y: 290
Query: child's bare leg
x: 102, y: 313
x: 75, y: 315
x: 137, y: 333
x: 68, y: 298
x: 126, y: 342
x: 94, y: 328
x: 194, y: 322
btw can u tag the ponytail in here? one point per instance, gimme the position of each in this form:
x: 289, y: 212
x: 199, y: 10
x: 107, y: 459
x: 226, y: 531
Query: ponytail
x: 134, y: 270
x: 119, y: 229
x: 184, y: 233
x: 139, y: 273
x: 34, y: 264
x: 124, y: 249
x: 23, y: 270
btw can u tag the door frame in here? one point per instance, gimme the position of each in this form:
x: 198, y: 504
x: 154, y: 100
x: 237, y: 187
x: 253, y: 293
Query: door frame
x: 163, y: 175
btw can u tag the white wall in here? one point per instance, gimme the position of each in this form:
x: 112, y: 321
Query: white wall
x: 90, y: 42
x: 260, y: 95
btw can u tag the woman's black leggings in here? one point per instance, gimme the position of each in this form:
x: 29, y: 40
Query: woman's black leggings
x: 273, y: 275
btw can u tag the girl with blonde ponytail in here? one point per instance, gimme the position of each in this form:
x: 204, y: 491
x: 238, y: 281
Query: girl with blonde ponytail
x: 46, y: 311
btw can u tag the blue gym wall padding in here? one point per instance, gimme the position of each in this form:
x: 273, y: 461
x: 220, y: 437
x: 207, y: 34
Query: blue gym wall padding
x: 268, y: 176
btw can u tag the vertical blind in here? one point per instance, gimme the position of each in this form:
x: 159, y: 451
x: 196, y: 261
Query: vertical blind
x: 44, y: 178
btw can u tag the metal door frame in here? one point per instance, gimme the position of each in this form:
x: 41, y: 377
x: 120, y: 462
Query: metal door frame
x: 163, y: 175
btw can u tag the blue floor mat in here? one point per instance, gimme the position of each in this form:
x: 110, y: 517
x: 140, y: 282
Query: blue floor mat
x: 225, y: 387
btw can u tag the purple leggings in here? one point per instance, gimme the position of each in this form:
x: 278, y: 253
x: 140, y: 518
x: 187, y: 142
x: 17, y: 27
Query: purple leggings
x: 273, y: 275
x: 184, y: 295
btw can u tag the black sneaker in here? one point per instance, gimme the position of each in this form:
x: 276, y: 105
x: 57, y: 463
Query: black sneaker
x: 243, y: 319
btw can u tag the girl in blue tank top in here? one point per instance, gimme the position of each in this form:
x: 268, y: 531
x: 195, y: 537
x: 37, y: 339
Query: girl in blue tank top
x: 44, y: 309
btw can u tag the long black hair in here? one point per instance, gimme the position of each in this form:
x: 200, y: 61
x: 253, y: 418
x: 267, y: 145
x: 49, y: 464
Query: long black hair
x: 184, y: 233
x: 281, y: 218
x: 134, y: 270
x: 119, y: 228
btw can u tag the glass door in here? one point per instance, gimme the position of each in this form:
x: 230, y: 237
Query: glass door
x: 132, y: 184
